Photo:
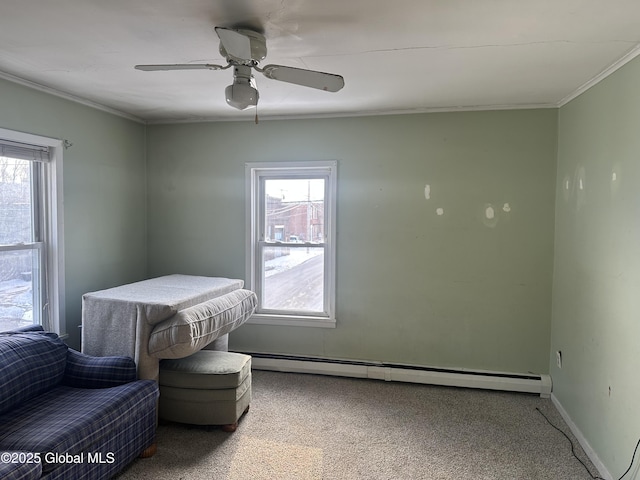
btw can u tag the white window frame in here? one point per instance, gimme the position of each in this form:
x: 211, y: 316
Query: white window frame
x: 254, y: 173
x: 53, y: 301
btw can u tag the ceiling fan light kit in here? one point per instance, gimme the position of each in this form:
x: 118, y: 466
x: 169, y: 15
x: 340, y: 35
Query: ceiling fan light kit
x: 243, y: 50
x: 242, y: 94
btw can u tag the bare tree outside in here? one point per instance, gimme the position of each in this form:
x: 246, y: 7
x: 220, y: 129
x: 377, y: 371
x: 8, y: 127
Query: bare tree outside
x: 16, y: 227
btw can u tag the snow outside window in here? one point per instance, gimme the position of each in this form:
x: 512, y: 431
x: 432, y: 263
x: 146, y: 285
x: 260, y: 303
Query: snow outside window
x: 291, y: 243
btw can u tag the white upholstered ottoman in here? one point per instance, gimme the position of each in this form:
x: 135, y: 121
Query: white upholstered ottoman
x: 206, y: 388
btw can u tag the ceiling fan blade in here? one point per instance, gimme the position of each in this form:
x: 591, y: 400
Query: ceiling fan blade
x: 235, y: 43
x: 181, y: 66
x: 307, y: 78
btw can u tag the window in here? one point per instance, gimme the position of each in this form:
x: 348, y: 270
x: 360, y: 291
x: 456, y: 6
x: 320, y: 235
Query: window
x: 30, y: 241
x: 291, y: 213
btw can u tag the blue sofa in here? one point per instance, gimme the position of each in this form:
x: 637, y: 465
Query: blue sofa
x: 66, y: 415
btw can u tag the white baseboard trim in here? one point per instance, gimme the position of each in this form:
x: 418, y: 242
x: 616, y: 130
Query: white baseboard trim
x: 523, y: 383
x: 593, y: 456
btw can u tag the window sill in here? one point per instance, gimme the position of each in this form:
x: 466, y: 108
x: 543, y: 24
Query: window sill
x: 292, y: 321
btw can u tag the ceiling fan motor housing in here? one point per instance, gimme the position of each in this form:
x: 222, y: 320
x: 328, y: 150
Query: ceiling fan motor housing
x: 258, y: 47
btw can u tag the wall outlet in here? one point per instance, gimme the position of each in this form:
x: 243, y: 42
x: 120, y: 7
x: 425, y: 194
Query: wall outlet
x: 559, y: 358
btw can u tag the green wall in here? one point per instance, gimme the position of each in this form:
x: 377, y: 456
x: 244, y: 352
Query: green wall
x: 104, y: 190
x: 451, y: 290
x: 596, y: 289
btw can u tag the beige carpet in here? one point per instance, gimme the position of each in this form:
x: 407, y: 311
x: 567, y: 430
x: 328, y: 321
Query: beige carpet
x: 311, y: 427
x: 258, y: 458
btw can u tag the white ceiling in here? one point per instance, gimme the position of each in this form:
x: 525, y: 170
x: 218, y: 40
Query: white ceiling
x: 395, y: 55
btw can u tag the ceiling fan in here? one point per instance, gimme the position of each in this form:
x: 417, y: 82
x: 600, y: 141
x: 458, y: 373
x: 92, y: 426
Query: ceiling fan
x: 244, y: 49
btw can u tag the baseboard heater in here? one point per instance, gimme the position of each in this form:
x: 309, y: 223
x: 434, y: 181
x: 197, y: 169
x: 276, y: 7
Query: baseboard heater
x: 523, y: 383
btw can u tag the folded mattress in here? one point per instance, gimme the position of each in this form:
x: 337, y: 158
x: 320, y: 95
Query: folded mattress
x: 164, y: 317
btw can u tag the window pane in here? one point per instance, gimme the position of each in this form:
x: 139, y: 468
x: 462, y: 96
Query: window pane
x: 294, y: 210
x: 293, y: 278
x: 16, y: 224
x: 18, y: 282
x: 291, y: 254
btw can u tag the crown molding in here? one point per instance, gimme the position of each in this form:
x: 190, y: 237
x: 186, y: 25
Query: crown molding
x: 364, y: 113
x: 68, y: 96
x: 630, y: 55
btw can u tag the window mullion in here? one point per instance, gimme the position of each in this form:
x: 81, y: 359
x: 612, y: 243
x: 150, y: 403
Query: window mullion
x: 21, y: 246
x: 259, y: 241
x: 37, y: 201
